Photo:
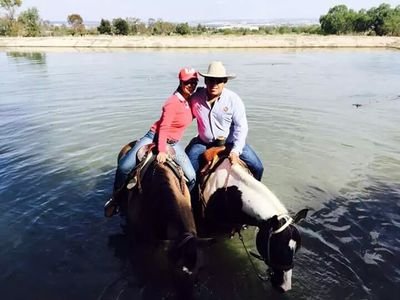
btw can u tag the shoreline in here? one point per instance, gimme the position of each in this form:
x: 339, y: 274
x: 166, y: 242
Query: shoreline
x: 202, y: 42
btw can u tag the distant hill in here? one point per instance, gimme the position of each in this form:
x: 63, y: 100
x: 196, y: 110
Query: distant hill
x: 223, y: 23
x: 254, y: 23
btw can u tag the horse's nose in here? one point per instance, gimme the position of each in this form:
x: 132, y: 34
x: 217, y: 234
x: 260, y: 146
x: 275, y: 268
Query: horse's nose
x: 285, y: 288
x: 287, y: 281
x: 282, y: 288
x: 282, y: 281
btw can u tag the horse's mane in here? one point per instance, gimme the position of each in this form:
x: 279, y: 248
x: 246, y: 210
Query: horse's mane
x: 173, y: 192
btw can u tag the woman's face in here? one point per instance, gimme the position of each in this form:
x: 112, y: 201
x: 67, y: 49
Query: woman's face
x: 188, y: 87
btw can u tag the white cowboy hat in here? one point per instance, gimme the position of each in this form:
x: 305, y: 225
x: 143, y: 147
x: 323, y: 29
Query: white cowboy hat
x: 217, y: 70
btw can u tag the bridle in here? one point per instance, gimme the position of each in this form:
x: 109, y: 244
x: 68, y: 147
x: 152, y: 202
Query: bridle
x: 288, y: 220
x: 267, y: 259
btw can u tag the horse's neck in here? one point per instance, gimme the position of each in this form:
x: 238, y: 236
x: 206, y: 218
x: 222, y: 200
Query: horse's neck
x: 258, y: 201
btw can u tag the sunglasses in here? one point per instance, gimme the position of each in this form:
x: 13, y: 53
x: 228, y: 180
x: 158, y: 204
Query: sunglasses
x: 212, y: 80
x: 194, y: 82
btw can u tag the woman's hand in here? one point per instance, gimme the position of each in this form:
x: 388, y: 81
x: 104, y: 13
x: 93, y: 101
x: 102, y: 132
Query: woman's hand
x: 162, y: 157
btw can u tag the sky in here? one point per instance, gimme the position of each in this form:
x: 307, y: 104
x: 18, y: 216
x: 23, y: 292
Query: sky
x: 189, y: 11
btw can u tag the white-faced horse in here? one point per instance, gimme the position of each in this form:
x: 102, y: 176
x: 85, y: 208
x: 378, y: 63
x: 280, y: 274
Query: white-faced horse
x: 231, y: 197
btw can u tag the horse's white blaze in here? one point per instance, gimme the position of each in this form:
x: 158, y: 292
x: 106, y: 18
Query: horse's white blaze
x: 292, y: 244
x: 287, y: 280
x: 258, y: 201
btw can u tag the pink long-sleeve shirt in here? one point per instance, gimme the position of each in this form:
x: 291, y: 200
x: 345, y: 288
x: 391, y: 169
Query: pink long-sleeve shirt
x: 176, y: 116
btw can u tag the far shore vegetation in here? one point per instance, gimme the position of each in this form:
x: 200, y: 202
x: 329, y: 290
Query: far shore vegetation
x: 339, y: 20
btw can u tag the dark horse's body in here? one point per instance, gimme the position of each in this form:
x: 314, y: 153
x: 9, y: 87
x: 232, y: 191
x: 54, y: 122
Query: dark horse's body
x: 158, y: 208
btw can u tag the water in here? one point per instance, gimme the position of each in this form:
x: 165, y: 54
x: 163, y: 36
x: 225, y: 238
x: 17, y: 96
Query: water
x: 65, y: 115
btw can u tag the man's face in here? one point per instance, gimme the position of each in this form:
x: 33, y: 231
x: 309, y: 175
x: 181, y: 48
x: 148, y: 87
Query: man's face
x: 214, y: 86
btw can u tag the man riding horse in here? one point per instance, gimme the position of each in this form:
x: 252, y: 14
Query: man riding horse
x: 228, y: 194
x: 221, y: 115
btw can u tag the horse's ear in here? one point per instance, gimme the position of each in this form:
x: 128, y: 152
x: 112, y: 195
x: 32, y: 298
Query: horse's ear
x: 300, y: 215
x: 269, y: 225
x: 274, y: 222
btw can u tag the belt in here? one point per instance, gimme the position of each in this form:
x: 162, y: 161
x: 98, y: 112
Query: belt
x: 214, y: 143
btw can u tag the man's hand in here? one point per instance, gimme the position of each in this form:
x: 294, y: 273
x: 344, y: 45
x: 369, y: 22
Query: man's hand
x: 161, y: 157
x: 234, y: 158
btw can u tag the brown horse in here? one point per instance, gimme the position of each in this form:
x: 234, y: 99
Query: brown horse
x: 158, y: 208
x: 231, y: 196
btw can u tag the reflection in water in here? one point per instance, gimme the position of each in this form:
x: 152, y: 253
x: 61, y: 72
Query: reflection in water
x: 34, y: 57
x: 223, y: 272
x: 148, y: 273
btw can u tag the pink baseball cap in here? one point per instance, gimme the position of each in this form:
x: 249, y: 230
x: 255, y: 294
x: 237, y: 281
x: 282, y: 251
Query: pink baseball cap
x: 186, y: 74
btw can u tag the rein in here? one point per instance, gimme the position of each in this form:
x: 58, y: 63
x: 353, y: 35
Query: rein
x: 249, y: 254
x: 269, y: 272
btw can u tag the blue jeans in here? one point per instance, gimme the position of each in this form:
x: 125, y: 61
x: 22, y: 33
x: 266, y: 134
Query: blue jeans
x: 128, y: 162
x: 196, y: 148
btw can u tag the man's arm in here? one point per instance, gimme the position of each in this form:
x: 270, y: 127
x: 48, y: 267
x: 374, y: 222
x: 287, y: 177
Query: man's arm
x: 240, y: 126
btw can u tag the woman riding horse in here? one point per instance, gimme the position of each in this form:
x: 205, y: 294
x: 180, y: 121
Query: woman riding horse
x: 168, y: 130
x: 159, y: 205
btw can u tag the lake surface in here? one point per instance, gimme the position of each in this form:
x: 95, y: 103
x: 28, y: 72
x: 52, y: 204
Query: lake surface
x: 65, y: 115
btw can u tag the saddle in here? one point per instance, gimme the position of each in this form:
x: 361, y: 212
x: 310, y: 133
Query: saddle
x: 144, y: 158
x: 213, y: 157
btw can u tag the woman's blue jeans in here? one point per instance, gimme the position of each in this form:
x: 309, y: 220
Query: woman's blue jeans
x: 128, y: 162
x: 196, y: 148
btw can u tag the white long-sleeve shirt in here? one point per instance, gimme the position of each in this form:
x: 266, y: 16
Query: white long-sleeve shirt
x: 226, y: 118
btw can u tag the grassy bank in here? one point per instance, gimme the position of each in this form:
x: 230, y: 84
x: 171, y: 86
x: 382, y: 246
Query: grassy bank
x: 212, y: 41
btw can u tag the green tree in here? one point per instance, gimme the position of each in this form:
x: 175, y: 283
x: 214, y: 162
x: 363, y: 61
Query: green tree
x: 10, y: 7
x: 201, y: 29
x: 378, y: 16
x: 163, y: 28
x: 105, y: 27
x: 183, y: 29
x: 362, y: 21
x: 120, y: 26
x: 3, y: 26
x: 76, y: 22
x: 391, y: 24
x: 339, y: 19
x: 8, y: 25
x: 31, y: 22
x: 136, y: 26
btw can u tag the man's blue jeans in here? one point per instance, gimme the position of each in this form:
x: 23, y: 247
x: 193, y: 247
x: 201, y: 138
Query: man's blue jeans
x: 196, y: 148
x: 128, y: 161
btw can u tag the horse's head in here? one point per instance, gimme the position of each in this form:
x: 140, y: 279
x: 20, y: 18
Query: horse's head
x: 184, y: 253
x: 277, y: 242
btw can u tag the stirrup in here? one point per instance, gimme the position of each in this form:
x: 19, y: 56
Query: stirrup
x: 110, y: 208
x: 131, y: 184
